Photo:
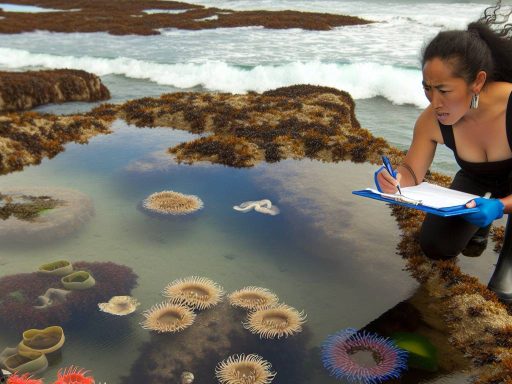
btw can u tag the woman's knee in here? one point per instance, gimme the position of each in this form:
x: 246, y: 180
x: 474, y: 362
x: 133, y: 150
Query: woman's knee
x: 438, y: 247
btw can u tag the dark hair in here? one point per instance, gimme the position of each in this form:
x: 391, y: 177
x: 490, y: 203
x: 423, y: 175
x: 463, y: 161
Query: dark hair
x: 486, y: 45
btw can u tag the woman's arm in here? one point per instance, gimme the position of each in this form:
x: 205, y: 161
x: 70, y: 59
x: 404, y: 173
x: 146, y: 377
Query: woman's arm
x: 507, y: 202
x: 419, y: 156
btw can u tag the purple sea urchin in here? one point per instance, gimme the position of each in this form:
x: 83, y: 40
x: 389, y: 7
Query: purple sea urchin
x: 338, y: 351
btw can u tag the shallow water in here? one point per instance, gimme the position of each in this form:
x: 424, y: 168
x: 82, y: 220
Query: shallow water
x: 311, y: 255
x: 328, y: 252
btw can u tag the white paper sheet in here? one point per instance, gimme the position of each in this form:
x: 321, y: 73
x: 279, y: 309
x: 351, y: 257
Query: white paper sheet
x: 432, y: 195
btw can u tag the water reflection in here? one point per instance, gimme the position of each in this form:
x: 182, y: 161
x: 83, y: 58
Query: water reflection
x: 419, y: 320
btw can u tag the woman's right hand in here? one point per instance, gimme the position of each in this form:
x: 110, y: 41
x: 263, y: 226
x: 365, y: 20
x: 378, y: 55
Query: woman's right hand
x: 385, y: 182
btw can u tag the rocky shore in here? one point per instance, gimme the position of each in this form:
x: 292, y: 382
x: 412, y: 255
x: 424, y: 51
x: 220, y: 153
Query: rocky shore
x: 27, y: 138
x: 125, y: 17
x: 26, y: 90
x: 291, y: 122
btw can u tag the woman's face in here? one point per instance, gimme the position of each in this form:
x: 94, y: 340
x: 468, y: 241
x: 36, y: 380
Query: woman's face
x: 449, y: 96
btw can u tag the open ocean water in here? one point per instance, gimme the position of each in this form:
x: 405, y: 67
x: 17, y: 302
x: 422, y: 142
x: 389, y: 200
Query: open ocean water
x: 327, y: 253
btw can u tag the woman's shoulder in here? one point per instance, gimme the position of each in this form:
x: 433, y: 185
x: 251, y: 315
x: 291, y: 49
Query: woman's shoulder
x: 500, y: 90
x: 427, y: 125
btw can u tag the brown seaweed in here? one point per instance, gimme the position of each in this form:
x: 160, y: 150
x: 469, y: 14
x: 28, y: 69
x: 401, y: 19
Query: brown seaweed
x: 26, y: 90
x: 124, y: 17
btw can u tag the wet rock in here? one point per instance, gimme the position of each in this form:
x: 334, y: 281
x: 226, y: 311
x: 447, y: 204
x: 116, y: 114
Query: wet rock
x: 26, y: 90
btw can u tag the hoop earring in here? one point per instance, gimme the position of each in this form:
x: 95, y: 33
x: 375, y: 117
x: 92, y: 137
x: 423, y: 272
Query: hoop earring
x: 474, y: 101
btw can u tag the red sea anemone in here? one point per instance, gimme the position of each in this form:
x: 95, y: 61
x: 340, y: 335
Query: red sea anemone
x: 73, y: 375
x: 23, y: 379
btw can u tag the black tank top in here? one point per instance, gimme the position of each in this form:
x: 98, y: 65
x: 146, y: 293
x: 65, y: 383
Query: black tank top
x: 489, y: 172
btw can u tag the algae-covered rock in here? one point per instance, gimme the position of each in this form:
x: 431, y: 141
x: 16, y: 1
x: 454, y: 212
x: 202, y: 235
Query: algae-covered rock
x: 36, y: 214
x: 20, y: 296
x: 26, y: 90
x: 124, y: 17
x: 290, y: 122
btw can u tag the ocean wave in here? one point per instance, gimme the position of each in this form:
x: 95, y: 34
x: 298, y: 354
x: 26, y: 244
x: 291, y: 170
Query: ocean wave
x: 362, y: 80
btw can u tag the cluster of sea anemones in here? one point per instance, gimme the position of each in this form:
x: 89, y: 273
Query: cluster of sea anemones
x: 172, y: 203
x: 185, y: 295
x: 72, y: 374
x: 266, y: 317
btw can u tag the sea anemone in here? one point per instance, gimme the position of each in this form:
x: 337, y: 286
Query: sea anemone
x: 119, y: 305
x: 73, y: 375
x: 58, y: 268
x: 172, y: 203
x: 172, y: 316
x: 23, y: 379
x: 32, y: 363
x: 78, y: 280
x: 252, y: 298
x: 198, y: 292
x: 241, y: 369
x: 45, y: 341
x: 275, y: 321
x: 337, y: 351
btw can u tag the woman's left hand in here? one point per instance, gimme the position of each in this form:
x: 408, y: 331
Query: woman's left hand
x: 490, y: 210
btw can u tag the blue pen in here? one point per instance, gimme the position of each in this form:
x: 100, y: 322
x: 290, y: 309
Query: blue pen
x: 389, y: 168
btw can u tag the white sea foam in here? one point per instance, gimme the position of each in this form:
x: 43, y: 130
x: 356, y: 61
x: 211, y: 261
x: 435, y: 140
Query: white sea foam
x: 170, y: 11
x: 361, y: 80
x: 6, y: 7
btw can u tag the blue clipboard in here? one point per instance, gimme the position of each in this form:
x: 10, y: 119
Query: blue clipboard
x: 445, y: 212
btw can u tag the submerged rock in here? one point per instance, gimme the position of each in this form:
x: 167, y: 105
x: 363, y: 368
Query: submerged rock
x: 20, y: 296
x: 42, y: 214
x: 216, y: 334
